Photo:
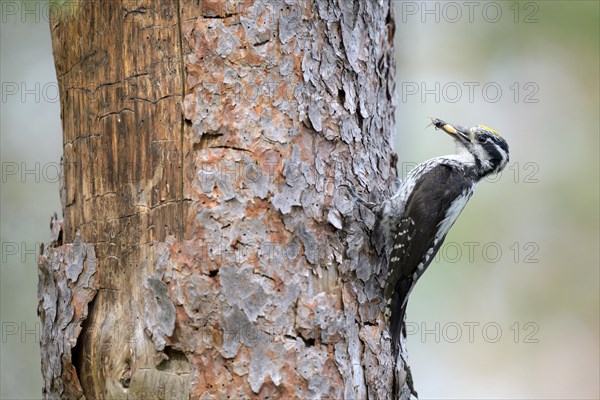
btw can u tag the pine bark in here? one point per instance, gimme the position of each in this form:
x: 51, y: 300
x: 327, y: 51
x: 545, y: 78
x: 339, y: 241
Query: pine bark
x: 206, y: 250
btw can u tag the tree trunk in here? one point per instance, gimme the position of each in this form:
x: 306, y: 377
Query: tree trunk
x: 205, y: 250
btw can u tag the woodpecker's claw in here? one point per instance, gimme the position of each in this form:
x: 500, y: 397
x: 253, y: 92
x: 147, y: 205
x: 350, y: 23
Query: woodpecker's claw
x: 352, y: 192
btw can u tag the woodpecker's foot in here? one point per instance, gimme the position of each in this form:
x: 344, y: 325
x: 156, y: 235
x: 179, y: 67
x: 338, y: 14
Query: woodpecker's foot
x: 352, y: 192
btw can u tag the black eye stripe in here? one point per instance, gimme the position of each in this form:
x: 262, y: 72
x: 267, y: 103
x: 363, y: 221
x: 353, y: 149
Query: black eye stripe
x: 495, y: 139
x: 495, y: 158
x: 495, y: 152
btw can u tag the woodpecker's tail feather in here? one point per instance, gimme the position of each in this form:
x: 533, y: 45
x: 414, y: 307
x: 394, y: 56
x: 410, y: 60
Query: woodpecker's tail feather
x: 398, y: 312
x: 403, y: 386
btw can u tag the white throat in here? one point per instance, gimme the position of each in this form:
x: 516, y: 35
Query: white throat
x: 462, y: 155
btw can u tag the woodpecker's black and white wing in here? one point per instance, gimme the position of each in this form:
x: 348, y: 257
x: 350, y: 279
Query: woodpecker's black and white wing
x: 440, y: 192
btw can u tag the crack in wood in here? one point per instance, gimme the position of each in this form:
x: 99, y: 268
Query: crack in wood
x: 101, y: 117
x: 205, y: 139
x: 82, y: 60
x: 230, y: 148
x: 153, y: 101
x: 122, y: 80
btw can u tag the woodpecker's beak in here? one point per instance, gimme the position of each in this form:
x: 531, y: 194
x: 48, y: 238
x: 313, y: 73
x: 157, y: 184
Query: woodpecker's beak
x: 462, y: 135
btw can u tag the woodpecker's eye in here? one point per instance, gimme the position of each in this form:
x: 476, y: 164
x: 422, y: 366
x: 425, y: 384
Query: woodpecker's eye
x: 481, y: 138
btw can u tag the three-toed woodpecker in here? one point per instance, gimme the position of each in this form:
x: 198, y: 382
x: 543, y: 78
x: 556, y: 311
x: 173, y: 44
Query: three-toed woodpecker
x: 413, y: 223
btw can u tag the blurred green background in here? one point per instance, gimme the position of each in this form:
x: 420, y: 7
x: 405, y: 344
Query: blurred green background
x: 510, y: 308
